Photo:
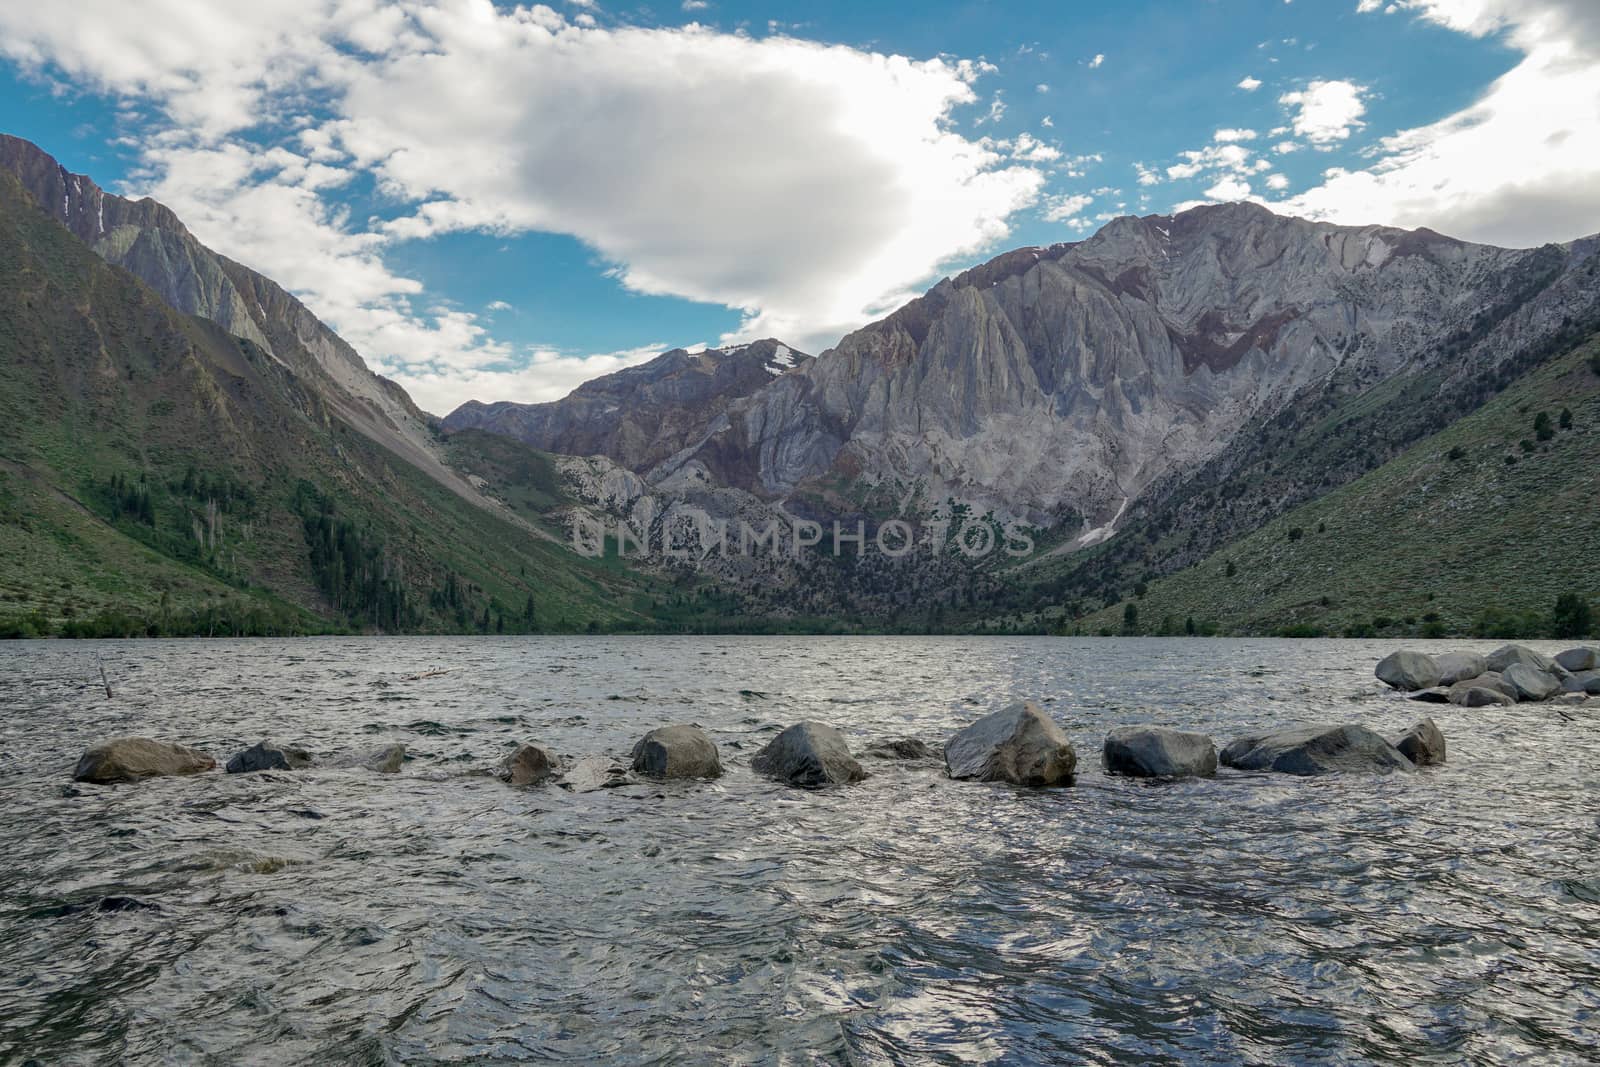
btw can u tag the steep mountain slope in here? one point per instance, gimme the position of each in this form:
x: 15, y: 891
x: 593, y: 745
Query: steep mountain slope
x: 638, y: 416
x: 162, y: 474
x: 150, y: 242
x: 1478, y: 528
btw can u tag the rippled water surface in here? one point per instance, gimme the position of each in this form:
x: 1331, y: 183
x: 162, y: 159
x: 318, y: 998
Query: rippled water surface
x: 344, y: 916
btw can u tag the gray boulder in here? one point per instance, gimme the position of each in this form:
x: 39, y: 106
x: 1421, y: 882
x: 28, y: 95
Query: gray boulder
x: 1506, y: 655
x: 1439, y: 694
x: 1579, y: 659
x: 529, y: 764
x: 677, y: 752
x: 269, y: 756
x: 1455, y: 666
x: 1408, y: 670
x: 1308, y: 750
x: 1583, y: 682
x: 1019, y: 744
x: 1475, y: 693
x: 901, y: 748
x: 385, y: 760
x: 809, y: 755
x: 1489, y: 680
x: 593, y: 772
x: 1156, y: 752
x: 1423, y: 744
x: 131, y: 759
x: 1531, y: 684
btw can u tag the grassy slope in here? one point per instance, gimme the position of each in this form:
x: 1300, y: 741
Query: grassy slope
x: 1424, y: 538
x: 99, y: 379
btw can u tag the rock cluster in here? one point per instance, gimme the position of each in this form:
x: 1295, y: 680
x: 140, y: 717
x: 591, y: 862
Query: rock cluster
x: 1509, y: 675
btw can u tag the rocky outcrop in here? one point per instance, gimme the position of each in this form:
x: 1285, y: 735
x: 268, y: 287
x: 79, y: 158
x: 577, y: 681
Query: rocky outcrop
x: 132, y: 759
x: 1156, y: 752
x: 677, y: 752
x: 1313, y: 750
x: 269, y: 756
x: 1530, y: 683
x: 529, y: 764
x: 1476, y: 693
x: 901, y: 748
x: 1582, y: 682
x: 1019, y: 744
x: 1507, y: 655
x: 1423, y: 744
x: 1455, y: 666
x: 1579, y: 659
x: 809, y: 755
x: 1408, y: 671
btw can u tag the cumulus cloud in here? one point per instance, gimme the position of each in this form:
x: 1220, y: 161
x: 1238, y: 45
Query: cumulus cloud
x: 1066, y: 208
x: 812, y: 187
x: 1521, y: 165
x: 1326, y: 111
x: 1249, y: 84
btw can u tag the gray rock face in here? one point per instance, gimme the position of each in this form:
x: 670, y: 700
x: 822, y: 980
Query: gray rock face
x: 1310, y: 750
x: 901, y: 748
x: 1506, y: 655
x: 1479, y: 693
x: 1583, y: 682
x: 593, y: 772
x: 386, y: 760
x: 1439, y: 694
x: 1455, y: 666
x: 1489, y: 680
x: 1531, y: 684
x: 1423, y: 744
x: 269, y: 756
x: 1408, y: 670
x: 131, y: 759
x: 677, y: 752
x: 810, y: 755
x: 1019, y: 744
x: 529, y: 764
x: 1156, y: 752
x: 1579, y: 659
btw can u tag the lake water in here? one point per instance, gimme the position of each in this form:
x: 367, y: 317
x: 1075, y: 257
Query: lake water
x: 438, y: 914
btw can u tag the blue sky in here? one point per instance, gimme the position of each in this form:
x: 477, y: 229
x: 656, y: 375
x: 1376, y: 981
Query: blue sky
x: 498, y: 202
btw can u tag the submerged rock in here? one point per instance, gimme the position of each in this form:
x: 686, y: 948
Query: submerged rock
x: 385, y: 760
x: 1506, y: 655
x: 808, y: 754
x: 1439, y: 694
x: 1454, y: 666
x: 131, y: 759
x: 529, y: 764
x: 1019, y: 744
x: 1531, y: 684
x: 1157, y: 752
x: 268, y: 756
x: 593, y: 772
x: 1308, y: 750
x: 1408, y: 670
x: 1579, y: 659
x: 677, y: 752
x: 901, y: 748
x: 1423, y: 744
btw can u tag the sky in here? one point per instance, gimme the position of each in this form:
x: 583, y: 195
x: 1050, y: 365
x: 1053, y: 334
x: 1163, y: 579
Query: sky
x: 497, y: 202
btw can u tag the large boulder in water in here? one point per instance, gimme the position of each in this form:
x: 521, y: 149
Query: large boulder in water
x: 1455, y: 666
x: 810, y: 755
x: 1579, y: 659
x: 1308, y: 750
x: 1423, y: 744
x: 1506, y: 655
x: 1531, y: 684
x: 269, y: 756
x: 593, y: 772
x: 1408, y: 670
x: 1582, y: 682
x: 677, y: 752
x: 529, y: 764
x: 1156, y: 752
x: 1475, y: 693
x: 130, y: 759
x: 901, y: 748
x: 1019, y: 744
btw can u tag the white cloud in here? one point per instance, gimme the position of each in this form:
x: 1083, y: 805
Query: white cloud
x: 1326, y: 111
x: 1066, y: 208
x: 1096, y: 62
x: 547, y: 374
x: 1521, y: 165
x: 1147, y: 175
x: 812, y: 187
x: 1229, y: 188
x: 695, y: 5
x: 1229, y: 134
x: 498, y: 305
x: 1277, y: 182
x: 1249, y: 84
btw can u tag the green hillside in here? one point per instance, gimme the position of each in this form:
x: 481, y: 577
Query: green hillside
x: 1476, y: 529
x: 158, y: 475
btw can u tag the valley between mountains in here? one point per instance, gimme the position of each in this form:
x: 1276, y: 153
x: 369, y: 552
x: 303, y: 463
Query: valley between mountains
x: 1223, y: 420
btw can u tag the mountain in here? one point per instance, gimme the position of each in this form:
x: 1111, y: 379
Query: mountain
x: 638, y: 416
x: 162, y: 471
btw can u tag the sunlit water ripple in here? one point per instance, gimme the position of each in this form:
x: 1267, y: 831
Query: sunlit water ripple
x: 344, y: 916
